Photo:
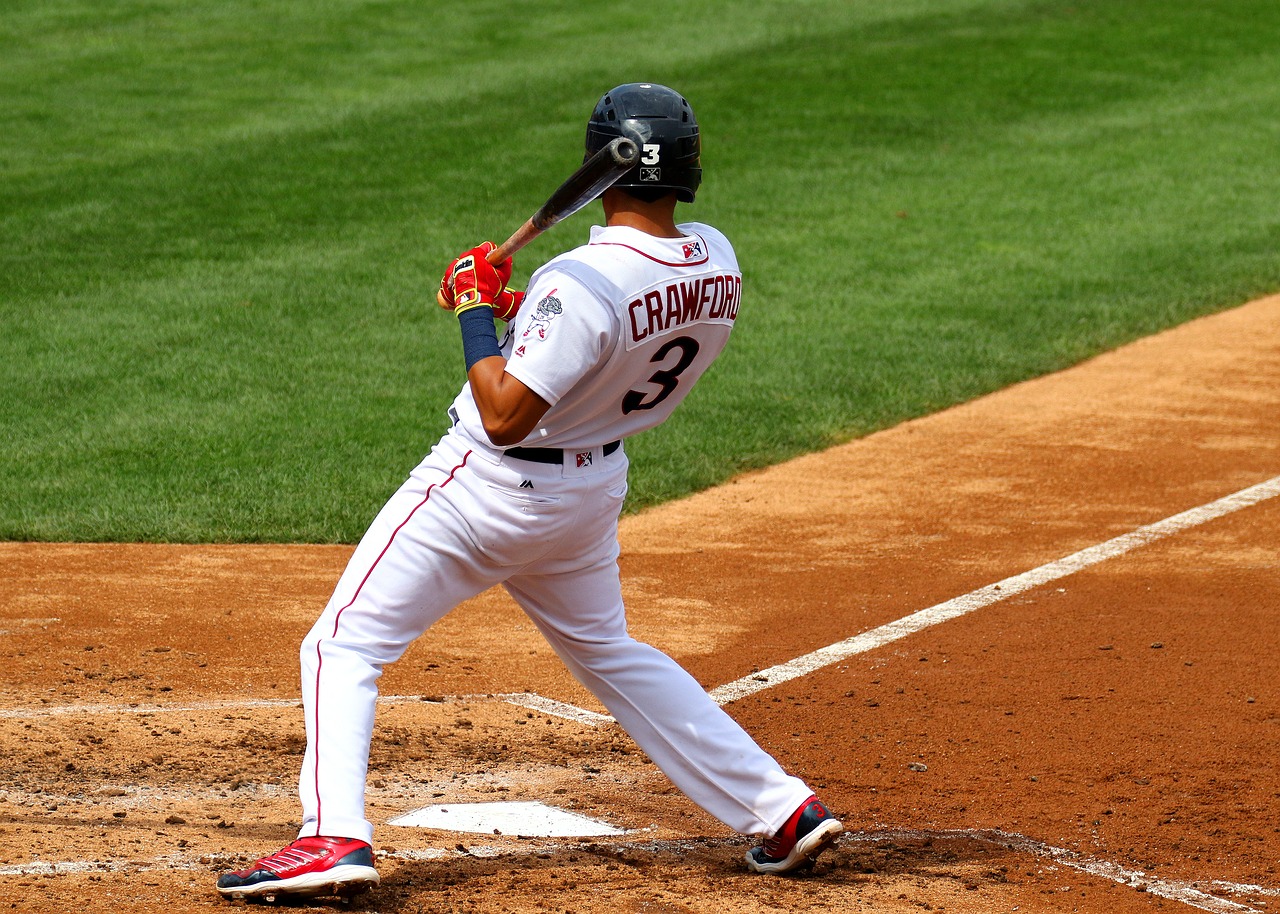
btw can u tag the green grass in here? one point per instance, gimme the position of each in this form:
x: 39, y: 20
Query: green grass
x: 221, y: 224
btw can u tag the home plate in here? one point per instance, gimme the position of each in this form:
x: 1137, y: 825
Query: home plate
x: 526, y: 820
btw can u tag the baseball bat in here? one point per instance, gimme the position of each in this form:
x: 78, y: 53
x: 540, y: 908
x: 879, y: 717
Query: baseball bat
x: 592, y: 179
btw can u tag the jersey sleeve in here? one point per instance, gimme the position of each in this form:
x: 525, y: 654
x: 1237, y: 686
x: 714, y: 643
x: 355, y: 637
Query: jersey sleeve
x: 561, y: 334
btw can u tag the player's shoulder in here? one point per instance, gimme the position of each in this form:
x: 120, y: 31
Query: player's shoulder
x: 603, y: 264
x: 702, y: 230
x: 718, y: 247
x: 618, y: 259
x: 576, y: 284
x: 580, y: 266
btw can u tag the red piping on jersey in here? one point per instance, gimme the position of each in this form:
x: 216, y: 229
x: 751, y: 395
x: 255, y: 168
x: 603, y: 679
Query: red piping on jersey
x: 338, y: 618
x: 689, y: 263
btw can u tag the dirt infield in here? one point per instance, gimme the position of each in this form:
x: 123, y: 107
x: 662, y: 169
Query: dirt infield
x: 1097, y: 736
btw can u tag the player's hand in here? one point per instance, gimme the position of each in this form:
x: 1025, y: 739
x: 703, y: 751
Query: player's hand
x: 471, y: 280
x: 507, y: 304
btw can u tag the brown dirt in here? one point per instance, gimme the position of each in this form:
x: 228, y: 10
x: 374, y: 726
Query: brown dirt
x: 1128, y: 713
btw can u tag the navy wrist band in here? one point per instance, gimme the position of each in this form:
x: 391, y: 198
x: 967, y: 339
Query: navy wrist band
x: 479, y: 338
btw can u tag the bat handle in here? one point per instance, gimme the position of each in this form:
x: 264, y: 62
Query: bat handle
x: 522, y: 236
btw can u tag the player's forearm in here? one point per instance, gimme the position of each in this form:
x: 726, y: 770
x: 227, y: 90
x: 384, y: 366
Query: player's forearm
x: 508, y: 409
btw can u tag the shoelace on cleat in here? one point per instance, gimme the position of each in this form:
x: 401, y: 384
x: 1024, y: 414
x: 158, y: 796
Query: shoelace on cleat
x: 289, y: 858
x: 773, y: 847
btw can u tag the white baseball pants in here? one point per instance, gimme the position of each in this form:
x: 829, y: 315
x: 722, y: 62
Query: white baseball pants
x: 462, y: 523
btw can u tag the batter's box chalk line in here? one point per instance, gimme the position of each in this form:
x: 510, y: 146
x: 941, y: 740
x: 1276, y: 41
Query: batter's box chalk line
x: 1187, y: 893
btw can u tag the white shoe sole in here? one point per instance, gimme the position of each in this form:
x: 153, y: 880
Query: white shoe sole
x: 343, y: 880
x: 805, y: 849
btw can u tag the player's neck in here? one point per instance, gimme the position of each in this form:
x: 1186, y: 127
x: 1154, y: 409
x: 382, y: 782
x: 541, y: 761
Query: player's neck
x: 657, y: 218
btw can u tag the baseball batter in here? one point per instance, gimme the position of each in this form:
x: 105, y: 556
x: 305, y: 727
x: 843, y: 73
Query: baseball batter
x: 525, y: 490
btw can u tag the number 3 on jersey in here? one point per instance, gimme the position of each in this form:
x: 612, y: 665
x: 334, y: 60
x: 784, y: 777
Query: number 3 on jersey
x: 667, y: 379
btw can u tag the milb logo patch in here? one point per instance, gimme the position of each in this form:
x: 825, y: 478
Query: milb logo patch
x: 650, y: 174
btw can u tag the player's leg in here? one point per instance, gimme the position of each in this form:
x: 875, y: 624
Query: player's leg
x: 697, y: 745
x: 576, y: 601
x: 417, y: 561
x: 664, y: 709
x: 414, y: 564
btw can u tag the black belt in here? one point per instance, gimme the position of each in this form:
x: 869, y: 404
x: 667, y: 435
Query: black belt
x: 551, y: 454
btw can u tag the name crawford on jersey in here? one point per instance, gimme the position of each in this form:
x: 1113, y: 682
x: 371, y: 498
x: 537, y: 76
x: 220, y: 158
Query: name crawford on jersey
x: 710, y: 298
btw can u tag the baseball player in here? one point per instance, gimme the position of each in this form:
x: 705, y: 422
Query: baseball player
x: 525, y: 490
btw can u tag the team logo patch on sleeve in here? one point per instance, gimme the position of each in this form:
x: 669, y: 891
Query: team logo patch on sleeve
x: 549, y: 307
x: 547, y: 310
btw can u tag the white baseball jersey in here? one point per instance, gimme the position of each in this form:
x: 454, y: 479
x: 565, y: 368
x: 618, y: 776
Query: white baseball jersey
x: 636, y: 317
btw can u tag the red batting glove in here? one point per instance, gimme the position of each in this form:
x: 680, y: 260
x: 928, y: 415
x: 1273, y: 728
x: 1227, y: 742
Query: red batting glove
x: 507, y: 304
x: 472, y: 281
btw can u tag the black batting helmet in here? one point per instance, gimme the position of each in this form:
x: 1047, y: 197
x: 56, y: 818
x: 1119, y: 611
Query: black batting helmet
x: 662, y: 124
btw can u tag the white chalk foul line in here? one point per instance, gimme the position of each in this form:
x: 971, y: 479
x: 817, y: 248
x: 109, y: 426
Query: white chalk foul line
x: 993, y: 593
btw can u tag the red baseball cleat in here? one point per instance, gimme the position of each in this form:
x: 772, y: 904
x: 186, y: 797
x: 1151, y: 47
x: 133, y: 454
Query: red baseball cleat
x: 306, y: 868
x: 810, y: 830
